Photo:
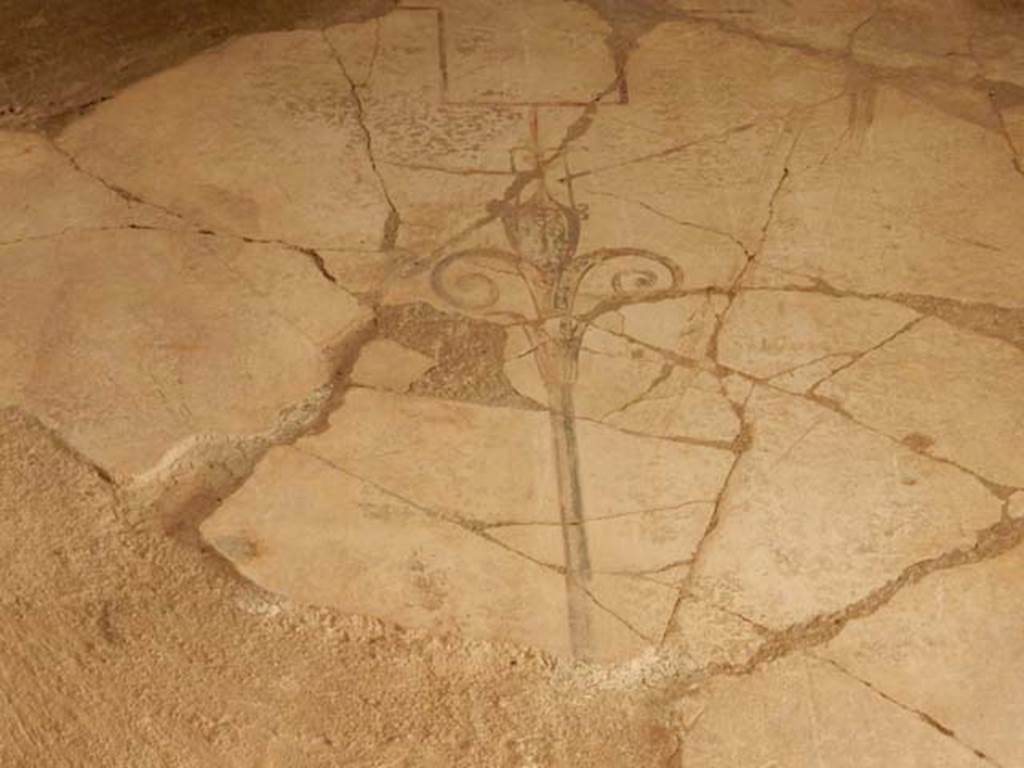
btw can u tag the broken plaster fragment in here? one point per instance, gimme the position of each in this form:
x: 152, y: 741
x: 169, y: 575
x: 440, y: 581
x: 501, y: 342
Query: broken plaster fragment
x: 131, y: 342
x: 386, y: 364
x: 954, y: 392
x: 820, y: 512
x: 767, y: 333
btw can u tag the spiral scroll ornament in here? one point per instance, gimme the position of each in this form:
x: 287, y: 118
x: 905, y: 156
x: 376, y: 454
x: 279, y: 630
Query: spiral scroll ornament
x: 544, y: 236
x: 466, y: 279
x: 554, y: 293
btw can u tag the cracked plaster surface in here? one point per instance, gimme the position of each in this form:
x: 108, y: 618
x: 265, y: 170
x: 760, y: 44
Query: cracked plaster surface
x: 680, y: 346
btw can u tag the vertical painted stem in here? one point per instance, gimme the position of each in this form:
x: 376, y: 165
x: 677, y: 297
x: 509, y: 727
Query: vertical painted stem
x: 570, y: 497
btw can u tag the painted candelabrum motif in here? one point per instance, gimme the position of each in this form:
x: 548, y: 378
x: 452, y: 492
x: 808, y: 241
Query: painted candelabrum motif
x: 566, y: 291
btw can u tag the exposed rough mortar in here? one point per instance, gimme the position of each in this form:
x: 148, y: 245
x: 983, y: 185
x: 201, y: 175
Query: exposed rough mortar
x: 198, y: 473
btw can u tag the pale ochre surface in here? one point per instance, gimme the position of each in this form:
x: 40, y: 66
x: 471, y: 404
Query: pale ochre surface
x: 552, y: 383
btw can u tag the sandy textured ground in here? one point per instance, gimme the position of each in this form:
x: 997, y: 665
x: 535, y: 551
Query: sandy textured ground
x: 553, y: 383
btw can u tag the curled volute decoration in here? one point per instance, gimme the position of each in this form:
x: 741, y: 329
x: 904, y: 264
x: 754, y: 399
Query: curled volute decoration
x: 554, y: 293
x: 544, y: 236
